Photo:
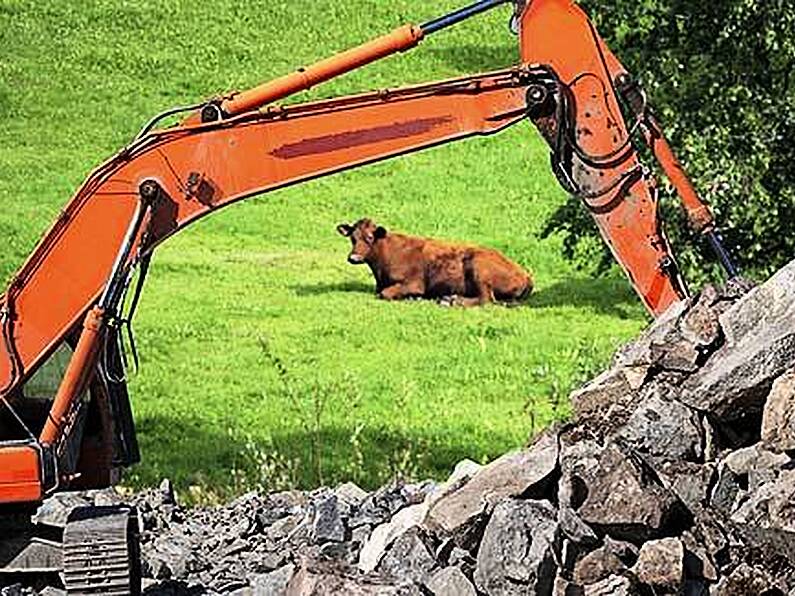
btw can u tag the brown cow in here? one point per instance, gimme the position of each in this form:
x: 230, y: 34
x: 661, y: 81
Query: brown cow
x: 412, y: 267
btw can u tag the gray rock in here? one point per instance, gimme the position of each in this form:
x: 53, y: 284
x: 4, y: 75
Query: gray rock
x: 575, y: 529
x: 408, y: 558
x: 727, y: 490
x: 450, y: 581
x: 767, y: 518
x: 760, y: 347
x: 385, y: 534
x: 778, y: 418
x: 273, y: 583
x: 605, y: 402
x: 689, y: 481
x: 328, y: 581
x: 664, y: 428
x: 564, y: 587
x: 350, y: 493
x: 614, y: 557
x: 746, y: 580
x: 50, y: 591
x: 516, y: 555
x: 749, y: 459
x: 327, y: 525
x: 698, y: 563
x: 613, y: 492
x: 511, y: 475
x: 661, y: 564
x: 616, y: 585
x: 55, y: 510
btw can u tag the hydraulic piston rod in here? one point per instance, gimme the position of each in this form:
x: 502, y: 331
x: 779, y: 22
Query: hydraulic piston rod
x: 401, y: 39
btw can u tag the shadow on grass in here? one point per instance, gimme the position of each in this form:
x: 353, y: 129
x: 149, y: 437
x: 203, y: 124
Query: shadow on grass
x: 322, y: 289
x: 607, y: 296
x: 192, y: 453
x: 473, y: 59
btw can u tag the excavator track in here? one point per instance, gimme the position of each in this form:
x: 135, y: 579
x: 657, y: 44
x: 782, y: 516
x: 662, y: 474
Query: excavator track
x: 101, y: 552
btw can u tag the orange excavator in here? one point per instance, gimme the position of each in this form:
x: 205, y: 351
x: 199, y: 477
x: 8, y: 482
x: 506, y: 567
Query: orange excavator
x: 65, y: 415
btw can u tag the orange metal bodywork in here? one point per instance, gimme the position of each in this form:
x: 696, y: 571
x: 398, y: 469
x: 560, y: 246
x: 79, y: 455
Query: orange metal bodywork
x: 259, y: 147
x: 20, y: 474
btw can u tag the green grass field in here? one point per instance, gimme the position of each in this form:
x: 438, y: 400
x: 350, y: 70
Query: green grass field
x: 267, y: 360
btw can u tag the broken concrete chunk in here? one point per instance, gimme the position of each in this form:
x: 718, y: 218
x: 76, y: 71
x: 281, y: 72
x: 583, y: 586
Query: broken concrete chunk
x: 511, y: 475
x: 778, y: 418
x: 516, y: 556
x: 661, y: 564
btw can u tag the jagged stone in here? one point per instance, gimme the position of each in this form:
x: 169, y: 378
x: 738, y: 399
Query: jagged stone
x: 575, y: 529
x: 746, y: 580
x: 408, y: 558
x: 511, y: 475
x: 661, y: 564
x: 604, y: 403
x: 760, y: 347
x: 385, y: 534
x: 690, y: 482
x: 350, y: 493
x: 767, y: 518
x: 614, y: 493
x: 450, y: 581
x: 564, y: 587
x: 745, y: 461
x: 274, y: 583
x: 615, y: 585
x: 697, y: 562
x: 325, y: 582
x: 55, y: 510
x: 727, y: 490
x: 516, y: 556
x: 327, y: 524
x: 778, y: 417
x: 664, y: 428
x: 614, y: 557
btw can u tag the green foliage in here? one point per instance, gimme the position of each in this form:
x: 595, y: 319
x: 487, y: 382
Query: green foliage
x: 720, y: 77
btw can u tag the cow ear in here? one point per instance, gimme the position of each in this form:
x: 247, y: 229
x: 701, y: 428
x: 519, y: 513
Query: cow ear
x: 380, y: 232
x: 345, y: 230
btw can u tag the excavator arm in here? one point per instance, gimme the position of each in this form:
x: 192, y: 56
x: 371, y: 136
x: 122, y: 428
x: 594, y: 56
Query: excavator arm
x: 245, y: 144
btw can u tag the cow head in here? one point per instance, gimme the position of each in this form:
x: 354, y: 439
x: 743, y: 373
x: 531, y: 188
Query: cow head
x: 363, y: 234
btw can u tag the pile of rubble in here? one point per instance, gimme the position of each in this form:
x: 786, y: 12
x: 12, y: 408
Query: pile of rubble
x: 674, y: 476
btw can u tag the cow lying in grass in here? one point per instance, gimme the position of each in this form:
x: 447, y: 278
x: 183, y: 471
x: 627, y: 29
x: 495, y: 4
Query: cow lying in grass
x: 412, y: 267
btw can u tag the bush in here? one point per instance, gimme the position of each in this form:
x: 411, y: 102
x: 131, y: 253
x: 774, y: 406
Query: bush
x: 719, y: 76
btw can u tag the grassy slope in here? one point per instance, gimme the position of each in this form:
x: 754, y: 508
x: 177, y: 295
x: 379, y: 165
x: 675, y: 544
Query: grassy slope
x: 405, y: 386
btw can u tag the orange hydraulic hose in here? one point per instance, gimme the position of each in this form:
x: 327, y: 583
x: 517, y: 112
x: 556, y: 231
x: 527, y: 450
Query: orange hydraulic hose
x: 75, y: 378
x: 401, y: 39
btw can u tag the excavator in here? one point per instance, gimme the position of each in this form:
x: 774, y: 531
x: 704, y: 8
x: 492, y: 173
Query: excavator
x: 65, y: 417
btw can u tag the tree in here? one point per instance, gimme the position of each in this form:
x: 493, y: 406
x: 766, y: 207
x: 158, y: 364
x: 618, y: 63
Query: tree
x: 719, y: 76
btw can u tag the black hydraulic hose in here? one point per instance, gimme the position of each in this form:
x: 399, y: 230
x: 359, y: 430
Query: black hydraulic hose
x: 460, y: 15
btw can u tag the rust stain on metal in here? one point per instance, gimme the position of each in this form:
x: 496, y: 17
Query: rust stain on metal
x: 355, y: 138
